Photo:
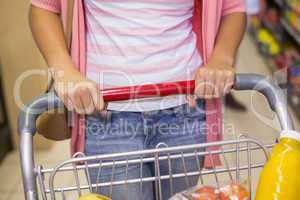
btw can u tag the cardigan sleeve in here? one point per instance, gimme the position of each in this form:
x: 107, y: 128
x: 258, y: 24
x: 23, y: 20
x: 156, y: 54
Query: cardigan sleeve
x: 50, y: 5
x: 231, y: 6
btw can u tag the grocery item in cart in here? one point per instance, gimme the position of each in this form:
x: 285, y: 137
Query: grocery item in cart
x: 234, y: 192
x: 199, y: 192
x: 229, y: 192
x: 93, y: 196
x: 205, y: 192
x: 279, y: 179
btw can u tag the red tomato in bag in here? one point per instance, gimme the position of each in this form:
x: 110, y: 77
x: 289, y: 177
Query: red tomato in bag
x: 206, y: 193
x: 234, y: 192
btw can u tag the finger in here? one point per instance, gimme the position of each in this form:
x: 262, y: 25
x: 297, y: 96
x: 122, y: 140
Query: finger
x: 229, y: 81
x: 97, y: 99
x: 86, y: 99
x: 200, y: 84
x: 220, y: 84
x: 209, y: 84
x: 75, y: 98
x: 70, y: 104
x: 64, y: 97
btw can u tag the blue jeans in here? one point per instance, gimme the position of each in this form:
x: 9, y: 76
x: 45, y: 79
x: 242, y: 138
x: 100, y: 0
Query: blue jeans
x: 134, y: 131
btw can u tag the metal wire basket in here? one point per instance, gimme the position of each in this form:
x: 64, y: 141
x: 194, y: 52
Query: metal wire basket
x: 237, y: 157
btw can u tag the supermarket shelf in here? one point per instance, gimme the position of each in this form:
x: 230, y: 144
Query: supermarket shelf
x: 270, y: 63
x: 288, y: 5
x: 280, y: 78
x: 283, y: 4
x: 291, y: 30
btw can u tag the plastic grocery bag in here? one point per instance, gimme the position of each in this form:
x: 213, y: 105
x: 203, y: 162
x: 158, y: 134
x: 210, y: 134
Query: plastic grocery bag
x: 197, y: 192
x: 231, y: 191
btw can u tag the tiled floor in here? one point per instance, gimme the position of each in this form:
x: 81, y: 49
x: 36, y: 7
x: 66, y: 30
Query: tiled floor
x: 257, y: 122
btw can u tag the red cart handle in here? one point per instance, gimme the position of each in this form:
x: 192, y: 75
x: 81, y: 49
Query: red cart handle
x: 150, y: 90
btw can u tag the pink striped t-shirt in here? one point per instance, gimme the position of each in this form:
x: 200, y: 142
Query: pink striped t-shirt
x: 135, y: 42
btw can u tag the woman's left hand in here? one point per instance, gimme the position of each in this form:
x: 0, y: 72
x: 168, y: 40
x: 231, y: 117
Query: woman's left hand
x: 215, y: 79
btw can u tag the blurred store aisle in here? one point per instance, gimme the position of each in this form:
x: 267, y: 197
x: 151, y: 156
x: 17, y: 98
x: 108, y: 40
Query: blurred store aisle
x: 259, y: 121
x: 235, y: 123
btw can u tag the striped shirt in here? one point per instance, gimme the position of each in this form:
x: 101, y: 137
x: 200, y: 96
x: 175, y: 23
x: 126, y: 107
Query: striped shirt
x: 135, y: 42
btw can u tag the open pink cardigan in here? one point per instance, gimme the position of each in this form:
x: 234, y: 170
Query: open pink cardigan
x: 212, y: 12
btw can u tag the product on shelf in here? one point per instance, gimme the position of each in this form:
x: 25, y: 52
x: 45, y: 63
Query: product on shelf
x: 270, y: 45
x: 255, y: 22
x: 271, y: 21
x: 294, y: 5
x: 294, y: 73
x: 272, y: 17
x: 277, y: 36
x: 294, y: 97
x: 292, y: 18
x: 288, y: 58
x: 291, y: 60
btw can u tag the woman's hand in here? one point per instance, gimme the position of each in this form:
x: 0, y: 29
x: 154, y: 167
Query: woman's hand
x: 215, y: 79
x: 77, y: 93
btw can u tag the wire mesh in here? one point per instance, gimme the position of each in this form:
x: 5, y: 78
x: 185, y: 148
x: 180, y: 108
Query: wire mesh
x: 112, y: 173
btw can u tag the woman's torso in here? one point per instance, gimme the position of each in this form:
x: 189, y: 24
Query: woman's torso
x: 134, y: 42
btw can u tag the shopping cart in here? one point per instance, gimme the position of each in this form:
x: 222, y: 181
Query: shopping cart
x: 237, y: 155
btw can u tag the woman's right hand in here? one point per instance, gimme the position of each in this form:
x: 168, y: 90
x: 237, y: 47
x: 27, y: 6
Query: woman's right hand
x: 77, y: 93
